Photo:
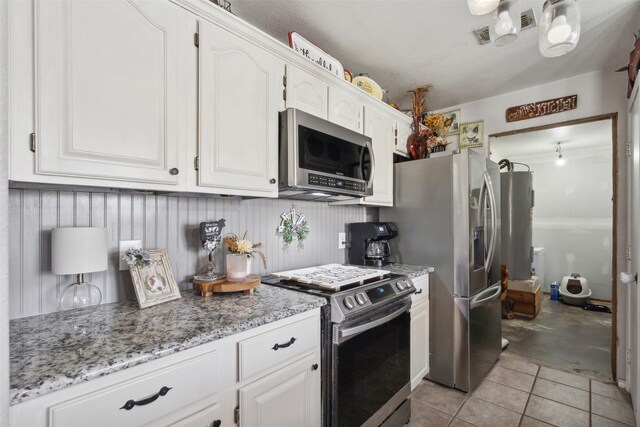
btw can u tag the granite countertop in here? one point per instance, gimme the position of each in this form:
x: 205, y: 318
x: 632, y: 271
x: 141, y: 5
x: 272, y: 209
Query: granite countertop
x: 53, y: 351
x: 410, y: 270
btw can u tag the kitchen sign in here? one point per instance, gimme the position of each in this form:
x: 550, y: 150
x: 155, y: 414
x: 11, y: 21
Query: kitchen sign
x: 542, y: 108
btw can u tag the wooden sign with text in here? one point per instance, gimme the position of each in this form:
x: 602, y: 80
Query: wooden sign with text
x: 542, y: 108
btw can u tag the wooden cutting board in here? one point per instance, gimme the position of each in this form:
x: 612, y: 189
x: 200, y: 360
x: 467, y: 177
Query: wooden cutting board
x: 209, y: 287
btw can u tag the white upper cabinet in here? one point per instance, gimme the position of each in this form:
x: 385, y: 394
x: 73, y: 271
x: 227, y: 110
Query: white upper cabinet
x: 404, y: 130
x: 240, y: 94
x: 306, y: 92
x: 111, y: 91
x: 345, y: 109
x: 381, y: 129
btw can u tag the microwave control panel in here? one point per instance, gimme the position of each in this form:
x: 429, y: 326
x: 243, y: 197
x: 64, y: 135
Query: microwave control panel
x: 327, y: 181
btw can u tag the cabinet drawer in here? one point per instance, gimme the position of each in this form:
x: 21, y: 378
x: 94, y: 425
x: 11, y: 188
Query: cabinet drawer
x: 157, y: 395
x: 260, y: 353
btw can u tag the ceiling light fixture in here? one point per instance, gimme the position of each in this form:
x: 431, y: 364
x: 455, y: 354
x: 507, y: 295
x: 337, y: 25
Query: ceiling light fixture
x: 482, y: 7
x: 560, y: 160
x: 506, y: 25
x: 559, y: 27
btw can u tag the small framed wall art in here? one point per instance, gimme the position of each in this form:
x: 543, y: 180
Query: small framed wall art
x: 152, y: 277
x: 452, y: 121
x: 471, y: 134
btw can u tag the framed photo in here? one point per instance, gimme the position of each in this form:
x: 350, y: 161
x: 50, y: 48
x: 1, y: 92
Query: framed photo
x: 452, y: 120
x: 153, y: 279
x: 471, y: 134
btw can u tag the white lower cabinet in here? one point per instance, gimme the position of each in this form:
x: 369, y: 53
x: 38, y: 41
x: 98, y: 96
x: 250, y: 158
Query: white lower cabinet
x: 288, y: 397
x: 199, y: 387
x: 420, y: 331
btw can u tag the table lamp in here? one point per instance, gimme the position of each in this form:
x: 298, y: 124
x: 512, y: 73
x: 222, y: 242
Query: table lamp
x: 79, y: 250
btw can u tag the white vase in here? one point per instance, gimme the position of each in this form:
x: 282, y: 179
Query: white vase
x: 238, y: 267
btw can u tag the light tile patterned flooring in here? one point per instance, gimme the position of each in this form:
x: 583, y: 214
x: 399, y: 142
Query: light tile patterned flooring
x: 519, y: 393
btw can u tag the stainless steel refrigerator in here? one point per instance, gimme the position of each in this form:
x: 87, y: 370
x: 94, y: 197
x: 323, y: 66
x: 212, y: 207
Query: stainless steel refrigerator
x: 447, y: 211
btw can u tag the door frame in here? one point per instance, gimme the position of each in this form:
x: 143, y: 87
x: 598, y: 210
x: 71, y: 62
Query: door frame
x: 614, y: 230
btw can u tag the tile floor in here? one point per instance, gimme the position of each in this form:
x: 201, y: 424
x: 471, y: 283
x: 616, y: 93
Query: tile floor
x: 519, y: 393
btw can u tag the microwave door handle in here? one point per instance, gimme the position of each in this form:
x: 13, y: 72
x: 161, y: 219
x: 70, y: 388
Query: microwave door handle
x: 369, y: 148
x: 494, y: 222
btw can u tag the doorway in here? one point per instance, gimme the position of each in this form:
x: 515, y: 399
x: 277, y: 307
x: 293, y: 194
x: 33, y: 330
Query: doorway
x: 573, y: 223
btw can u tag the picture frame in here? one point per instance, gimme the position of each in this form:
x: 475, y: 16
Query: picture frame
x: 154, y: 283
x: 454, y: 115
x: 471, y: 134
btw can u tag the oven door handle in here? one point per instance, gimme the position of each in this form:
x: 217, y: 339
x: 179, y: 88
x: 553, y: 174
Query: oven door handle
x: 348, y: 332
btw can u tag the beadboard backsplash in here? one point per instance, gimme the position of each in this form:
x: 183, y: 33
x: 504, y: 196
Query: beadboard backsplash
x: 161, y: 222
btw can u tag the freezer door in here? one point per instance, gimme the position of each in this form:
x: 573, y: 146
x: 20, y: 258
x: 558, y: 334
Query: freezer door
x: 478, y: 333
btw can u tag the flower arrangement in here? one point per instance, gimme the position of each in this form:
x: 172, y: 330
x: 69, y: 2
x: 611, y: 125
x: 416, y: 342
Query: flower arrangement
x: 242, y: 246
x: 436, y: 131
x: 138, y: 258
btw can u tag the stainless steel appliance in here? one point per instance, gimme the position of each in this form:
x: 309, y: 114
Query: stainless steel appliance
x: 516, y: 188
x: 366, y: 338
x: 446, y: 211
x: 322, y: 161
x: 368, y: 242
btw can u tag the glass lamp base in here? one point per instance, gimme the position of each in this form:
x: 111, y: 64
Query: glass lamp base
x: 79, y: 295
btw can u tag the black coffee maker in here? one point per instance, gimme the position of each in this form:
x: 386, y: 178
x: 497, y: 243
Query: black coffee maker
x: 368, y: 242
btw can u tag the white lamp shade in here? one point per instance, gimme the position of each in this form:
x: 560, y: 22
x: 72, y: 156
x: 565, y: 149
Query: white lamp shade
x: 76, y: 250
x: 481, y: 7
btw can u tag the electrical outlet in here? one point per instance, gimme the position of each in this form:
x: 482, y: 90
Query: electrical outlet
x: 341, y: 240
x: 125, y: 245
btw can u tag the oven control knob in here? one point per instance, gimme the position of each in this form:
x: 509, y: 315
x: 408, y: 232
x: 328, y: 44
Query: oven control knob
x: 361, y: 298
x: 400, y: 285
x: 408, y: 283
x: 349, y: 302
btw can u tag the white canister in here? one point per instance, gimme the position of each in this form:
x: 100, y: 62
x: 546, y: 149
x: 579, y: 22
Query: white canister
x: 238, y: 267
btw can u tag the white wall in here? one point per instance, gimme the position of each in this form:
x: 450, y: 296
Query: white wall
x: 4, y: 256
x: 572, y: 217
x: 599, y: 92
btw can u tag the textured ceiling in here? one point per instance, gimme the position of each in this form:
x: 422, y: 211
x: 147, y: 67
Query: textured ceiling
x: 405, y: 43
x: 572, y: 138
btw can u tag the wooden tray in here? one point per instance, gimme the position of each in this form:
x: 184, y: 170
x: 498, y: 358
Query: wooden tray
x: 209, y: 287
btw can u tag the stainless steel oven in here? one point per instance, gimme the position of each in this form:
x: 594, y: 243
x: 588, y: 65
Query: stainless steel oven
x: 365, y: 343
x: 370, y: 372
x: 320, y: 160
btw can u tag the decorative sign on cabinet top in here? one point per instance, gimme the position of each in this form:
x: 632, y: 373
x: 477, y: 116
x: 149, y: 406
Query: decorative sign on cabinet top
x: 313, y: 53
x: 542, y: 108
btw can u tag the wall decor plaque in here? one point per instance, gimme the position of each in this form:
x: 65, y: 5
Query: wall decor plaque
x: 541, y: 108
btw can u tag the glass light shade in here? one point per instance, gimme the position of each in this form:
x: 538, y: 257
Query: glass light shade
x: 560, y: 160
x: 506, y: 24
x: 559, y: 27
x: 481, y: 7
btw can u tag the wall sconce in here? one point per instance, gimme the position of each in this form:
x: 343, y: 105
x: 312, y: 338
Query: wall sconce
x: 560, y: 160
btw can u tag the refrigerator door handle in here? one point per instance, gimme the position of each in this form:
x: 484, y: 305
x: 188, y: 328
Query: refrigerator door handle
x: 494, y: 223
x: 480, y: 299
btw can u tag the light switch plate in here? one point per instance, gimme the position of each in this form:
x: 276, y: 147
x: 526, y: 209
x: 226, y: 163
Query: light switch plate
x: 125, y: 245
x: 341, y: 240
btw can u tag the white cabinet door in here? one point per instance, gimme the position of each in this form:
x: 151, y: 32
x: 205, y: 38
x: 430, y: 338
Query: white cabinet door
x: 419, y: 342
x: 111, y: 90
x: 345, y: 109
x: 290, y: 397
x: 240, y: 91
x: 306, y: 92
x: 381, y: 129
x: 400, y: 143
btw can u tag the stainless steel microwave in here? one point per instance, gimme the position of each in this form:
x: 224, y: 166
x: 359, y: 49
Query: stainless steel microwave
x: 322, y: 161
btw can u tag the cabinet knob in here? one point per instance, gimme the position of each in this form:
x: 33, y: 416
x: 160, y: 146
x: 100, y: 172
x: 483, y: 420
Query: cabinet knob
x: 272, y: 181
x: 174, y: 171
x: 314, y: 367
